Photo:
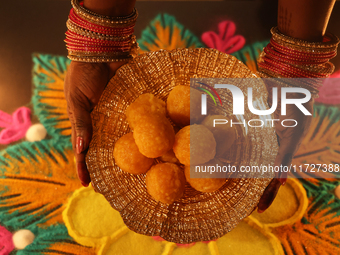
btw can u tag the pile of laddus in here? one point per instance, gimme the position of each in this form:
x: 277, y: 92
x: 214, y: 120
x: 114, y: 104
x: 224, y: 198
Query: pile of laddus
x: 153, y: 147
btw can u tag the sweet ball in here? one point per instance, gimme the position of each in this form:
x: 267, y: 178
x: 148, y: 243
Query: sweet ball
x: 128, y: 157
x: 209, y: 182
x: 165, y: 182
x: 224, y: 134
x: 194, y: 144
x: 154, y: 135
x: 183, y: 105
x: 144, y: 106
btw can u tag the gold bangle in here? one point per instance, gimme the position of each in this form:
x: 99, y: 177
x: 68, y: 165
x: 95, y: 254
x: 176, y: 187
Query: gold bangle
x: 104, y: 20
x: 331, y: 44
x: 326, y: 69
x: 306, y: 50
x: 99, y: 59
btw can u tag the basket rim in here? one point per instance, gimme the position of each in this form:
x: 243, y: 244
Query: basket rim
x: 127, y: 210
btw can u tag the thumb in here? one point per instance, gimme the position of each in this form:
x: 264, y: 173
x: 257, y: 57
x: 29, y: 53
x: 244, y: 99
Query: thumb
x: 282, y: 160
x: 83, y: 129
x: 81, y: 138
x: 268, y: 196
x: 284, y: 157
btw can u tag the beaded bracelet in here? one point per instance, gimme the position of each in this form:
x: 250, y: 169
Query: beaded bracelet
x: 287, y: 57
x: 330, y: 42
x: 96, y: 38
x: 101, y: 19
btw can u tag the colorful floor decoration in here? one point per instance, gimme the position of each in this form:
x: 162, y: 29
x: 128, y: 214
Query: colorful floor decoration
x: 226, y: 40
x: 330, y: 91
x: 164, y: 32
x: 40, y: 192
x: 110, y: 236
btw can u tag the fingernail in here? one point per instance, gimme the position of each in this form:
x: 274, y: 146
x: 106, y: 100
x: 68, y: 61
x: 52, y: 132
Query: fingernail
x: 84, y: 184
x: 283, y: 181
x: 260, y: 210
x: 83, y: 175
x: 79, y: 144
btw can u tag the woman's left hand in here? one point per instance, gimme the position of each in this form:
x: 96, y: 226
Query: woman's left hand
x: 289, y: 139
x: 84, y: 84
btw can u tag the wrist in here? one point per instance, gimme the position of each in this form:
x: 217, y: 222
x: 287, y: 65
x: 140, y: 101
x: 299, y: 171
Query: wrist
x: 110, y: 8
x: 304, y: 19
x: 92, y: 37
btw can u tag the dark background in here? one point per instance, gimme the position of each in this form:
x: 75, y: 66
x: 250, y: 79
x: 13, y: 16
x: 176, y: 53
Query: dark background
x: 39, y: 25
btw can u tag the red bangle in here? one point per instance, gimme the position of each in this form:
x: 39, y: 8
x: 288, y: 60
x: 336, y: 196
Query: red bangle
x: 270, y: 52
x: 308, y: 83
x: 300, y: 56
x: 294, y: 70
x: 95, y: 38
x: 72, y: 35
x: 298, y: 53
x: 283, y: 58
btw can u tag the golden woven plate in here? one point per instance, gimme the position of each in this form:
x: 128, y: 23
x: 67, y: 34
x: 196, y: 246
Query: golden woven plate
x: 197, y: 216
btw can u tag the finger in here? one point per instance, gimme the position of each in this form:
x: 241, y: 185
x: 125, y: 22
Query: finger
x: 83, y: 135
x: 268, y: 195
x: 283, y: 161
x: 288, y: 145
x: 83, y: 173
x: 81, y: 168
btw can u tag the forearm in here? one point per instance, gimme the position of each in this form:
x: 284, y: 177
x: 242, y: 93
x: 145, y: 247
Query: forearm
x: 113, y: 8
x: 304, y: 19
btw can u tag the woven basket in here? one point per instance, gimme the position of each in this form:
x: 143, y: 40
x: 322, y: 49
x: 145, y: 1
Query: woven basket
x: 196, y: 216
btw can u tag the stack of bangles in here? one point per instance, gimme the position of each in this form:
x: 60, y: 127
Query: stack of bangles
x: 96, y: 38
x: 287, y: 57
